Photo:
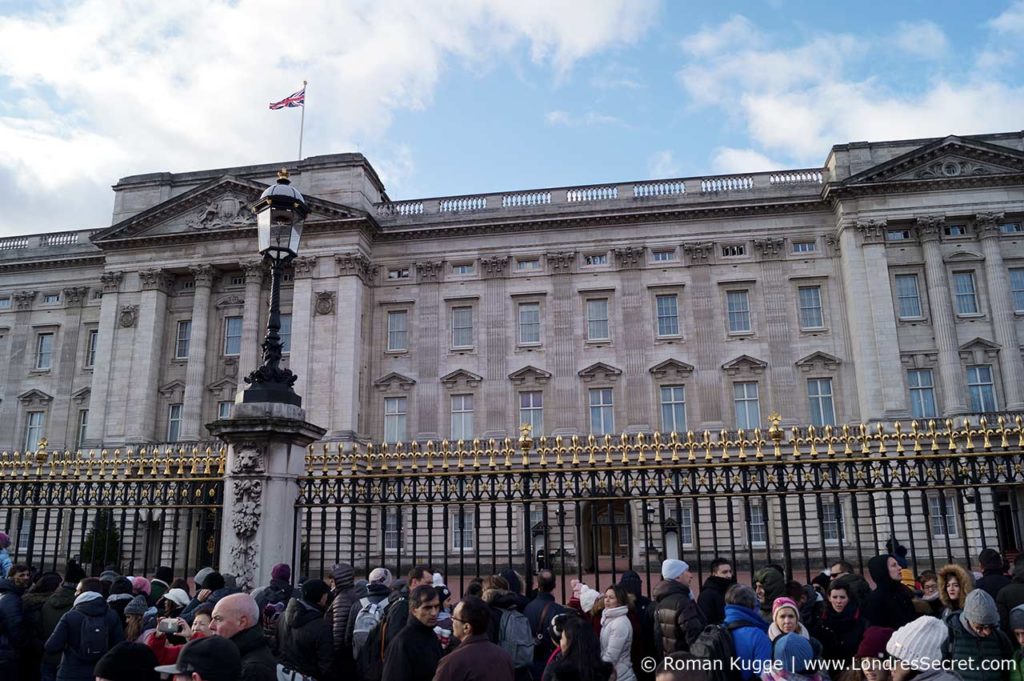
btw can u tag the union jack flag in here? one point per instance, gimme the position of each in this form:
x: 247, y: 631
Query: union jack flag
x: 294, y: 99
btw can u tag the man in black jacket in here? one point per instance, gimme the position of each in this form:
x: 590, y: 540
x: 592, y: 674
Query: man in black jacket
x: 79, y: 654
x: 414, y: 653
x: 993, y: 576
x: 398, y: 609
x: 678, y: 620
x: 11, y: 627
x: 304, y: 636
x: 539, y: 612
x: 237, y: 617
x: 712, y: 594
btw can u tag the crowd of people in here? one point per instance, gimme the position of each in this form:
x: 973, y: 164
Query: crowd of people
x: 889, y: 625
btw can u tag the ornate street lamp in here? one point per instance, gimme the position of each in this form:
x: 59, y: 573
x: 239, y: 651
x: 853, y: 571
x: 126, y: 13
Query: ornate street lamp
x: 279, y: 215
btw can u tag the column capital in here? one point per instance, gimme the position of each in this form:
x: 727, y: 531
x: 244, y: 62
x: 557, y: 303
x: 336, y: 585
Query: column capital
x: 988, y: 224
x: 769, y: 247
x: 871, y: 231
x: 156, y: 280
x: 75, y: 295
x: 494, y: 266
x: 560, y: 261
x: 253, y: 270
x: 111, y: 281
x: 699, y: 252
x: 23, y: 299
x: 628, y: 257
x: 929, y: 227
x: 202, y: 275
x: 429, y: 271
x: 355, y: 263
x: 303, y: 266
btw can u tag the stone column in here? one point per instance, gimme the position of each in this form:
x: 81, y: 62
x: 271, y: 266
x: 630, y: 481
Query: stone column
x: 782, y: 386
x: 1000, y: 299
x: 250, y: 356
x: 195, y: 370
x: 495, y: 397
x: 892, y: 385
x: 61, y: 419
x: 147, y: 356
x: 940, y: 304
x: 110, y: 282
x: 707, y: 341
x: 21, y: 357
x: 302, y: 322
x: 562, y: 414
x: 266, y: 457
x: 640, y: 413
x: 346, y: 304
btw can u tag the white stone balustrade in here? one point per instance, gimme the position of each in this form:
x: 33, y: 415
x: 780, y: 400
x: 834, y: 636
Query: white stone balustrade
x: 461, y: 203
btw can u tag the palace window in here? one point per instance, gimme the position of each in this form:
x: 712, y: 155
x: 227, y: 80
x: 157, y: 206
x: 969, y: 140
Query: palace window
x: 173, y: 422
x: 286, y: 333
x: 955, y: 230
x: 398, y: 334
x: 921, y: 384
x: 33, y: 430
x: 529, y: 323
x: 90, y: 347
x: 224, y: 409
x: 668, y: 255
x: 757, y: 527
x: 981, y: 388
x: 747, y: 404
x: 597, y: 319
x: 44, y: 351
x: 5, y: 303
x: 942, y: 514
x: 673, y: 409
x: 527, y: 265
x: 83, y: 428
x: 667, y: 309
x: 462, y: 327
x: 602, y: 411
x: 462, y: 524
x: 51, y: 298
x: 804, y: 247
x: 966, y: 293
x: 738, y: 305
x: 462, y: 417
x: 832, y: 520
x: 398, y: 273
x: 232, y: 335
x: 908, y: 297
x: 596, y: 259
x: 392, y: 529
x: 1017, y: 288
x: 182, y: 339
x: 531, y: 411
x: 810, y: 307
x: 462, y: 268
x: 897, y: 235
x: 394, y: 419
x: 819, y: 393
x: 733, y: 250
x: 1011, y: 228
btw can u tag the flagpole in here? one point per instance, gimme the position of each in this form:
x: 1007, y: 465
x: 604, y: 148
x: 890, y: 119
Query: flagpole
x: 302, y: 121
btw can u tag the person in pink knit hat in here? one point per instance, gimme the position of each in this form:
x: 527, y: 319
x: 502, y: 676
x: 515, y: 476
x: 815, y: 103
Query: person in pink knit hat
x: 786, y: 620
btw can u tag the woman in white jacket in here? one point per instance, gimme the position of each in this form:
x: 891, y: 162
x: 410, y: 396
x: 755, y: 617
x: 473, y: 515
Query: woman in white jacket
x: 617, y: 632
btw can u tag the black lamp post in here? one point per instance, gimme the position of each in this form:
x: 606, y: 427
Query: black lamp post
x: 279, y: 215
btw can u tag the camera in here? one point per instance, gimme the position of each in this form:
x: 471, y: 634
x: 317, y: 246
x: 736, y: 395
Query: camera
x: 167, y: 626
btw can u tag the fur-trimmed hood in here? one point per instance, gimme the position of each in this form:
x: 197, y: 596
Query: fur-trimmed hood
x: 963, y: 578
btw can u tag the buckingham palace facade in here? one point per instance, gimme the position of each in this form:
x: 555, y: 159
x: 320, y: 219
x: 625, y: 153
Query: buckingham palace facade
x: 886, y: 285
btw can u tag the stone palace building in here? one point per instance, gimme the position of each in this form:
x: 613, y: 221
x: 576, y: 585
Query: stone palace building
x: 886, y: 285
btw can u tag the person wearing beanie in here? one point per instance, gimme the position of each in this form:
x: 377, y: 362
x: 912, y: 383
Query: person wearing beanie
x: 343, y: 597
x: 900, y: 552
x: 120, y: 596
x: 975, y: 636
x: 794, y: 657
x: 141, y: 586
x: 128, y: 662
x: 1011, y: 595
x: 280, y: 589
x: 712, y: 593
x: 954, y: 585
x: 919, y: 645
x: 868, y: 661
x: 201, y: 577
x: 78, y: 658
x: 769, y: 584
x: 304, y: 636
x: 891, y: 604
x: 160, y: 584
x: 213, y: 590
x: 1015, y: 625
x: 5, y: 556
x: 749, y: 630
x: 786, y: 620
x: 993, y: 572
x: 678, y: 620
x: 134, y: 613
x: 12, y: 625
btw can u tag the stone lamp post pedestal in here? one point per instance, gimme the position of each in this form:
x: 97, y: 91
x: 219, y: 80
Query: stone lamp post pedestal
x: 267, y: 444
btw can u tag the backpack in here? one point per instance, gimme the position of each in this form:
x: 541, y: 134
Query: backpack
x: 93, y: 637
x: 716, y: 643
x: 269, y: 616
x: 370, y: 660
x: 369, y: 616
x: 516, y: 638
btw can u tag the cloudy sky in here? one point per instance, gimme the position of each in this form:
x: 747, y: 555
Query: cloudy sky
x: 462, y: 96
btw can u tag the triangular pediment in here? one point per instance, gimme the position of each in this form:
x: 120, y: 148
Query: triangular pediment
x: 950, y: 158
x: 744, y: 364
x: 671, y: 368
x: 529, y: 373
x: 461, y: 377
x: 600, y: 371
x: 173, y: 391
x: 218, y: 206
x: 980, y: 344
x: 394, y: 380
x: 979, y: 351
x: 34, y: 398
x: 820, y: 361
x: 81, y: 396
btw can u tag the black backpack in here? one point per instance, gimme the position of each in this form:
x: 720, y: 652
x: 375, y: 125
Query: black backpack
x: 93, y: 640
x: 716, y: 643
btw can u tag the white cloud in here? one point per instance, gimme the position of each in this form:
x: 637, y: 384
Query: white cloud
x: 95, y: 89
x: 796, y: 102
x: 726, y: 161
x: 590, y: 118
x: 1011, y: 20
x: 737, y: 33
x: 923, y: 39
x: 663, y: 164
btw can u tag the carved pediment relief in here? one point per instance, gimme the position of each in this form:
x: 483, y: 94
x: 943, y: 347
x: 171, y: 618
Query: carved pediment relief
x: 745, y: 365
x: 599, y: 371
x: 950, y: 158
x: 224, y: 389
x: 218, y: 205
x: 979, y: 351
x: 671, y: 368
x: 230, y: 301
x: 529, y: 374
x: 394, y: 381
x: 818, y: 361
x: 964, y: 256
x: 81, y: 396
x: 34, y: 398
x: 173, y: 391
x: 461, y: 378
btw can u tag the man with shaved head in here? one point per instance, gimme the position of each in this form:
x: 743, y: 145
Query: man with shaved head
x: 237, y: 617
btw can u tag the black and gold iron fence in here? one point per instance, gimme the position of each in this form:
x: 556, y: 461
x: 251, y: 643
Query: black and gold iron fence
x: 591, y: 508
x: 134, y: 509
